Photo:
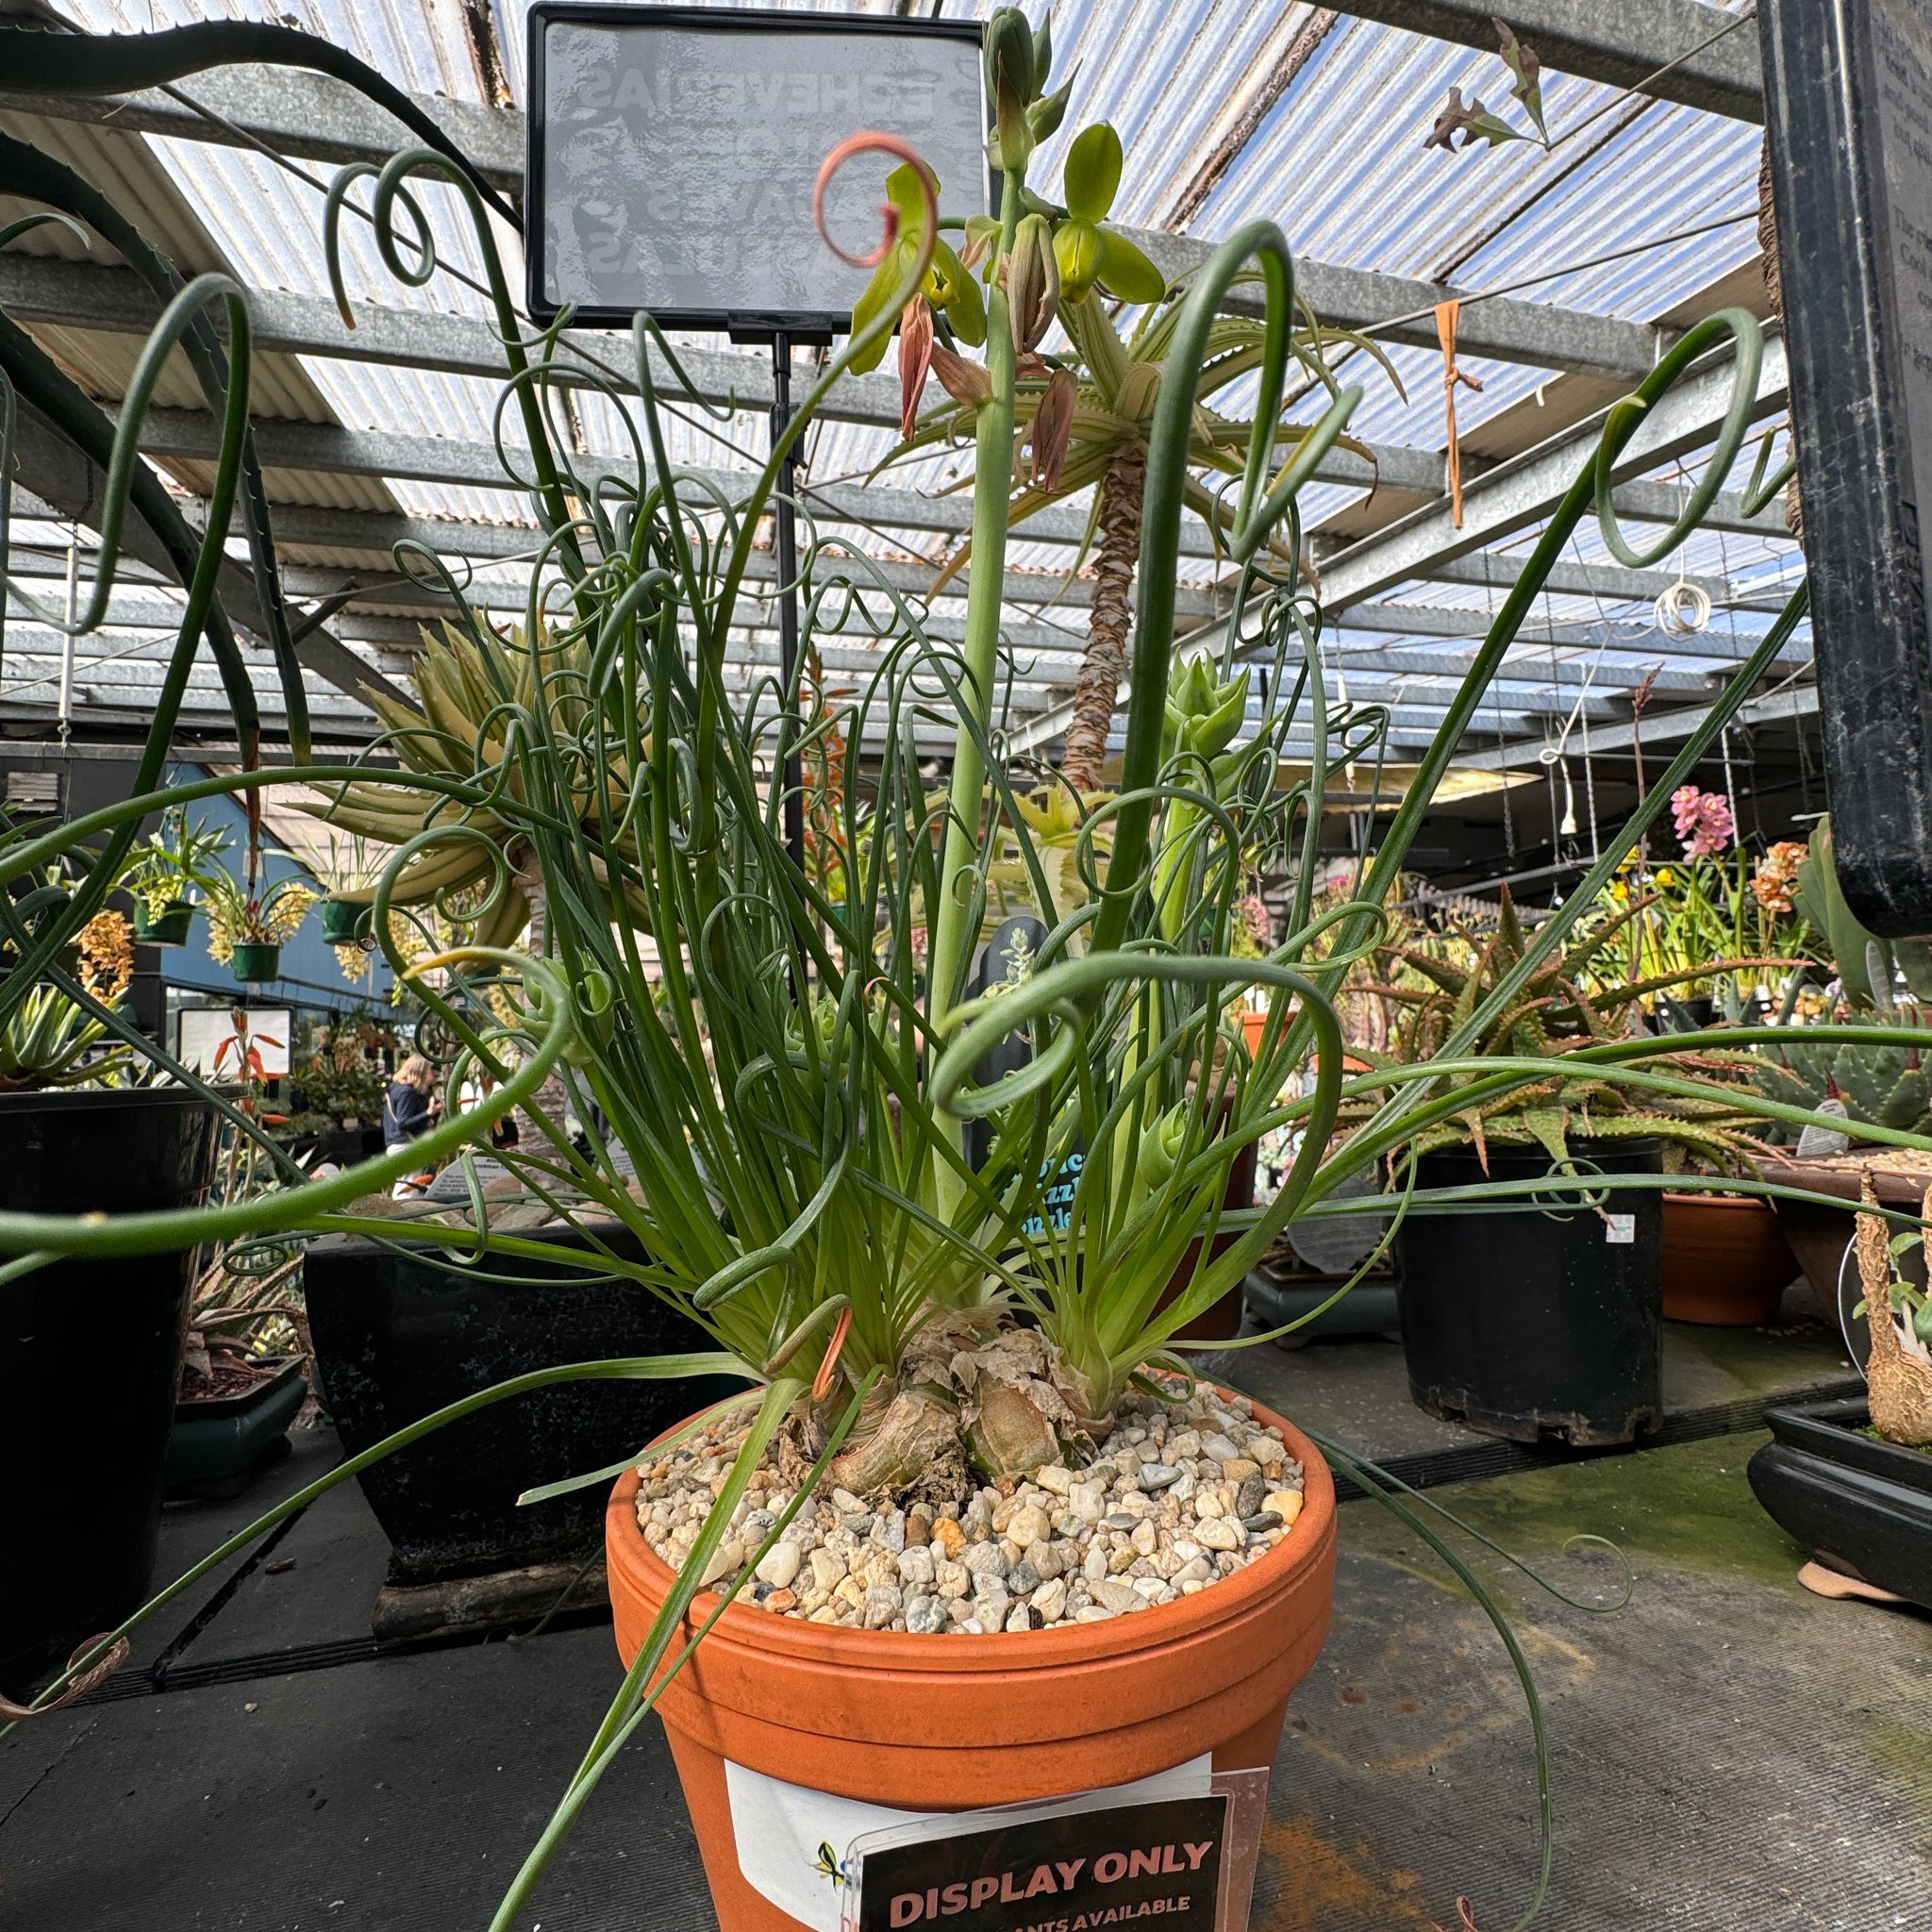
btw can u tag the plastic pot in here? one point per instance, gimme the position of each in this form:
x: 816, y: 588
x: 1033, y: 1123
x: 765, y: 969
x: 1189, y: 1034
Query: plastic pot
x: 217, y: 1444
x: 168, y: 927
x: 949, y: 1723
x: 1726, y: 1261
x: 255, y: 963
x: 1529, y: 1324
x: 1864, y: 1506
x: 344, y: 923
x: 397, y: 1338
x: 89, y: 1353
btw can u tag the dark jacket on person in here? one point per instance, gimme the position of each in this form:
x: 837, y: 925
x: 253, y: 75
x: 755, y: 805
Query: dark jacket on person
x: 405, y: 1114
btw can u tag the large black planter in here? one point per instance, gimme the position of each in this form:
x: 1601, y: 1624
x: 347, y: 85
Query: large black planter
x: 397, y: 1338
x: 1863, y: 1504
x: 1533, y: 1325
x: 88, y: 1354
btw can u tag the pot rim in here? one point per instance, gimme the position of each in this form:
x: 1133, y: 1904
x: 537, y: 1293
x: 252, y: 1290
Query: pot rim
x: 86, y: 1099
x: 1703, y: 1199
x: 948, y: 1653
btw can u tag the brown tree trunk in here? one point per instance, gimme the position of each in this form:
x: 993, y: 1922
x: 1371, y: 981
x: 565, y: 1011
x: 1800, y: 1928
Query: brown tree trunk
x: 1104, y: 663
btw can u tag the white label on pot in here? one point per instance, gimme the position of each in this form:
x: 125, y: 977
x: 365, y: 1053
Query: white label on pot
x: 1620, y: 1230
x: 791, y: 1840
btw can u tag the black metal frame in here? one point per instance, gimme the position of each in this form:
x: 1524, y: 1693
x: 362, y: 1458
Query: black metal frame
x: 1861, y: 528
x: 800, y: 325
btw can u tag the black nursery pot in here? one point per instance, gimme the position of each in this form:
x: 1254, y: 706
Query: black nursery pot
x: 1864, y: 1506
x: 88, y: 1354
x: 397, y: 1338
x: 1529, y: 1326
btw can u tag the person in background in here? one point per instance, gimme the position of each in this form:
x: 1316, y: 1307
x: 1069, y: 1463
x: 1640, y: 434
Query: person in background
x: 408, y: 1111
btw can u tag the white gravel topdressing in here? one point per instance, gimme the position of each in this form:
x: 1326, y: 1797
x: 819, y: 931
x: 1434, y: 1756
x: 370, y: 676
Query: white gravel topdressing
x: 1177, y: 1499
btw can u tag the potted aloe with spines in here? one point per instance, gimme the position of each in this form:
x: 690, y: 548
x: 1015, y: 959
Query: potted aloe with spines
x: 88, y: 1348
x: 781, y: 1095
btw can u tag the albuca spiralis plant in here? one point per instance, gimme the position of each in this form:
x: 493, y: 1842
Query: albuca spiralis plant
x: 779, y: 1077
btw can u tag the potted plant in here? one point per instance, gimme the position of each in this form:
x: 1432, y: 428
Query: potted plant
x: 168, y: 876
x: 1878, y: 1081
x: 349, y: 873
x: 249, y: 923
x: 1522, y: 1321
x: 81, y: 1509
x: 1852, y: 1480
x: 772, y: 1096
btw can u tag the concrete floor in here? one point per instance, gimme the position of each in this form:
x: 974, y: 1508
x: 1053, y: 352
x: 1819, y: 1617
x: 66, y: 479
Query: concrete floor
x: 1727, y: 1751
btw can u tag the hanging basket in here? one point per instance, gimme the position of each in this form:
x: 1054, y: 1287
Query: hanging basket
x: 345, y: 923
x: 168, y: 927
x: 255, y: 963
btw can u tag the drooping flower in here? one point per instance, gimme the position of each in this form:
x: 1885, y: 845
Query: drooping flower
x: 1053, y: 428
x: 1703, y: 821
x: 915, y: 360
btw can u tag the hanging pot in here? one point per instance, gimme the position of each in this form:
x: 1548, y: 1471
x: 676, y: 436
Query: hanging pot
x: 1726, y: 1261
x: 346, y: 924
x: 946, y: 1723
x: 168, y: 927
x: 1534, y: 1325
x: 255, y: 963
x: 89, y: 1353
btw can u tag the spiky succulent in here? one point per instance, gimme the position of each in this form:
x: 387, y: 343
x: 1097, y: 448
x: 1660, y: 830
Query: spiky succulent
x: 1554, y: 1015
x: 1882, y: 1086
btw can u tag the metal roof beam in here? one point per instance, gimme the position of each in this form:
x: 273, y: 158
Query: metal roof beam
x: 1665, y: 728
x: 329, y: 448
x: 313, y: 117
x: 1623, y: 44
x: 377, y: 532
x: 1519, y: 494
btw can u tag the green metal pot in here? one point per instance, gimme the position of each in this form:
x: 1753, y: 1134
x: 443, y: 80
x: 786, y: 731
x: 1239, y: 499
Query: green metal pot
x: 346, y: 924
x: 255, y: 963
x: 169, y: 928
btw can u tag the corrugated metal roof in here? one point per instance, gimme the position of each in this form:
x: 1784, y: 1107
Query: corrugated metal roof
x: 1228, y: 112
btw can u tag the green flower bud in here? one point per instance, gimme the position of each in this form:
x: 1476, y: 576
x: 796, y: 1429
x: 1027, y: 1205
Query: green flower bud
x: 1033, y: 283
x: 1079, y: 248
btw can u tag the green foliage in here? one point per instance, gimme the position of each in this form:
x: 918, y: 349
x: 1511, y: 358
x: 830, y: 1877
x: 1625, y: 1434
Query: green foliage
x: 49, y: 1039
x: 1552, y: 1015
x: 176, y: 865
x: 1883, y: 1085
x: 1852, y: 947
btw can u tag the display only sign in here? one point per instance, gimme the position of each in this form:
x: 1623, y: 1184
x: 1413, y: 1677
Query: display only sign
x: 673, y: 152
x: 1848, y: 105
x: 1153, y: 1864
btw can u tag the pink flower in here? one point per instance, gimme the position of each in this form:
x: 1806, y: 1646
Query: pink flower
x: 1703, y: 821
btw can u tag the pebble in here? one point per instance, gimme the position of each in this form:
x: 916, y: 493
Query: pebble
x: 780, y: 1563
x: 925, y: 1616
x: 1173, y: 1502
x: 1028, y: 1525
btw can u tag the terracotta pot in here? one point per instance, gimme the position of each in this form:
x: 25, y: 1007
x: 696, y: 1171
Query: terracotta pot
x: 949, y: 1723
x: 1726, y: 1261
x: 1818, y: 1235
